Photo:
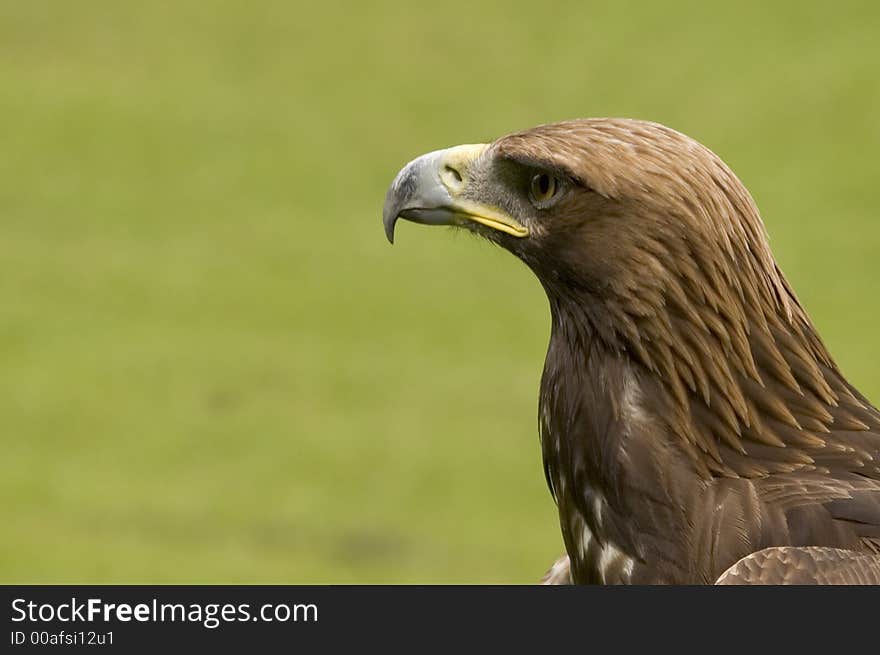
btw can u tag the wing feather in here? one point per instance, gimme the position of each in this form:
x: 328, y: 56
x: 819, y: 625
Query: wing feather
x: 804, y: 566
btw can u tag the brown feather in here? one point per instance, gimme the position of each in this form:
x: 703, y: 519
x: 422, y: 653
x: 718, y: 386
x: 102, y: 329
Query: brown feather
x: 711, y: 421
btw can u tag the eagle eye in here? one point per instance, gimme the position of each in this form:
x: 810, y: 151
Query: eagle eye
x: 543, y: 187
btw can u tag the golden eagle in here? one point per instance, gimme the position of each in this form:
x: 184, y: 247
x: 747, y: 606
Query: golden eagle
x: 694, y: 427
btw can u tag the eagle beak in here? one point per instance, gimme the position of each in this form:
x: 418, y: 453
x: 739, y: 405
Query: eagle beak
x: 430, y: 190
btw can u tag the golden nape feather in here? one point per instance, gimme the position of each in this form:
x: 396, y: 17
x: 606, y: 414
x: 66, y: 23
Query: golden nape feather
x: 693, y: 424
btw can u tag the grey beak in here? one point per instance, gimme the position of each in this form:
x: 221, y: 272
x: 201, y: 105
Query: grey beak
x: 419, y: 195
x: 432, y: 190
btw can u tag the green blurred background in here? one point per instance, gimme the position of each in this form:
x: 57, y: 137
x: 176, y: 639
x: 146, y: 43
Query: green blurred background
x: 215, y: 369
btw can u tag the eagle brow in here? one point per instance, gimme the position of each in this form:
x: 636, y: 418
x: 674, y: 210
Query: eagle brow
x: 557, y: 169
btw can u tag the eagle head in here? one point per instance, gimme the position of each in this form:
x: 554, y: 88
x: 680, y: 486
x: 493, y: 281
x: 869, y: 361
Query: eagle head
x: 622, y: 221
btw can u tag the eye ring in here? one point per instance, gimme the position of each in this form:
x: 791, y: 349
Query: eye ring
x: 543, y: 188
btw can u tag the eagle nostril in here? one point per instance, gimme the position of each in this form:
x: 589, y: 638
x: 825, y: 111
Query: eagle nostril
x: 452, y: 177
x: 455, y: 174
